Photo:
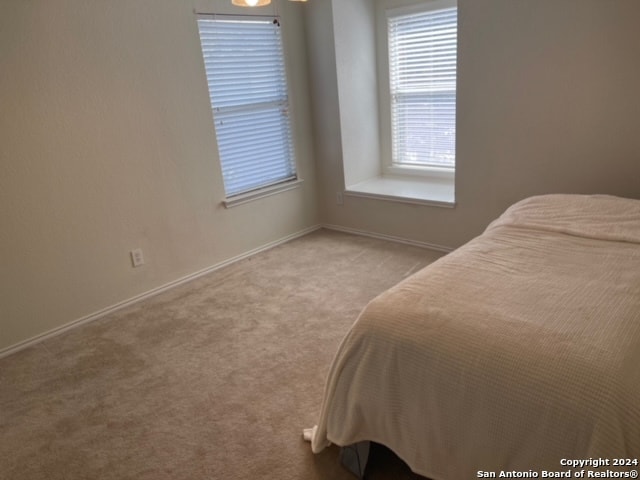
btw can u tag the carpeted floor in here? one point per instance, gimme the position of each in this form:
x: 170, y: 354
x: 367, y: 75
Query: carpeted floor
x: 212, y: 380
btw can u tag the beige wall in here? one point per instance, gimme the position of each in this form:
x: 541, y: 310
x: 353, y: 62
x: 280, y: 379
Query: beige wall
x: 547, y: 102
x: 107, y: 144
x: 354, y: 24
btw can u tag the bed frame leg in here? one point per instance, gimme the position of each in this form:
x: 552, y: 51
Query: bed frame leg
x: 354, y: 458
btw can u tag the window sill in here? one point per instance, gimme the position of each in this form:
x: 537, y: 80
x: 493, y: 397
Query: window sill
x: 261, y: 193
x: 439, y: 192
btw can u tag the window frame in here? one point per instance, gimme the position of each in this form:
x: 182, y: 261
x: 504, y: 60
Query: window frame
x: 279, y: 185
x: 385, y: 10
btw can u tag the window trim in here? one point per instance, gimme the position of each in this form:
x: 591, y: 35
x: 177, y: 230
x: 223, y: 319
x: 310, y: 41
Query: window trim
x: 428, y: 191
x: 242, y: 198
x: 388, y: 168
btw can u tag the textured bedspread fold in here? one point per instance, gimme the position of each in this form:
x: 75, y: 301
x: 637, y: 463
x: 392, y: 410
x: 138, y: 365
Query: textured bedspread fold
x: 513, y: 352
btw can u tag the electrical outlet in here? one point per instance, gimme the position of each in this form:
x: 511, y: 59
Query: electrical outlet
x: 339, y: 198
x: 137, y: 259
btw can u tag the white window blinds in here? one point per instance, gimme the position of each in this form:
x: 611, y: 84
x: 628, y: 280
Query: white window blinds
x: 422, y: 79
x: 245, y: 69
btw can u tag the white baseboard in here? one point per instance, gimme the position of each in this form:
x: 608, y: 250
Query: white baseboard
x: 143, y: 296
x: 390, y: 238
x: 180, y: 281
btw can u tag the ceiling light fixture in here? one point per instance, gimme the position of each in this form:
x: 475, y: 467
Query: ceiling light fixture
x: 250, y: 3
x: 256, y: 3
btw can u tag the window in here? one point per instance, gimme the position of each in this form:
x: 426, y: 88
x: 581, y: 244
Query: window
x: 422, y: 85
x: 245, y: 70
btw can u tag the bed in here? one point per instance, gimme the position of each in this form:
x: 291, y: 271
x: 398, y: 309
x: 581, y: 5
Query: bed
x: 514, y: 353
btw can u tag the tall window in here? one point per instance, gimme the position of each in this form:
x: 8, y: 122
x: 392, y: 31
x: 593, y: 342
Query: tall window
x: 422, y: 80
x: 245, y: 69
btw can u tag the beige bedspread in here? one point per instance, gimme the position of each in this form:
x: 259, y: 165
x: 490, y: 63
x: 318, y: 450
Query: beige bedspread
x: 518, y: 350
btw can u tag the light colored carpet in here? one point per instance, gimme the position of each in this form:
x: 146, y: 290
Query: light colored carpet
x: 212, y: 380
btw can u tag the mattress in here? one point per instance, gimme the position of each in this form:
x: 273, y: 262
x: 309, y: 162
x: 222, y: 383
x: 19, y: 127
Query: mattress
x: 514, y: 353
